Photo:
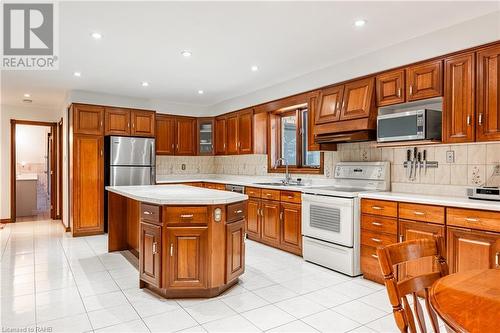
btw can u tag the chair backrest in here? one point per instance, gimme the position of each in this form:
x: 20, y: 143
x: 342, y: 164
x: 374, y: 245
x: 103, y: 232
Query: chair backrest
x: 399, y: 253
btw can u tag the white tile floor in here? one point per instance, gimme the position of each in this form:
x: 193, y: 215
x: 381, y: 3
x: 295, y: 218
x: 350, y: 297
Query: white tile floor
x: 49, y: 279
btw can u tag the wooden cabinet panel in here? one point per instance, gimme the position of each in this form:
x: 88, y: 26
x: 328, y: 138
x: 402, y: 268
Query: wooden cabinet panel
x: 236, y: 211
x: 150, y: 254
x: 358, y: 99
x: 143, y: 123
x: 369, y: 264
x: 458, y: 102
x: 271, y: 222
x: 187, y: 260
x: 254, y: 219
x: 419, y: 212
x: 379, y: 207
x: 312, y: 109
x: 469, y: 249
x: 185, y: 136
x: 88, y: 185
x: 215, y: 186
x: 291, y: 229
x: 330, y: 102
x: 291, y: 197
x: 417, y: 230
x: 245, y: 132
x: 271, y: 194
x: 88, y: 119
x: 186, y: 214
x: 117, y: 121
x: 473, y: 219
x: 390, y: 87
x: 376, y: 239
x: 165, y: 135
x: 424, y: 80
x: 381, y: 224
x: 150, y: 213
x: 253, y: 192
x: 220, y: 136
x: 232, y: 134
x: 235, y: 247
x: 488, y: 94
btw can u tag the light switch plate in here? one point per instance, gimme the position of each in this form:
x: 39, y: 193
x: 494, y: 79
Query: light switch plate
x: 450, y: 156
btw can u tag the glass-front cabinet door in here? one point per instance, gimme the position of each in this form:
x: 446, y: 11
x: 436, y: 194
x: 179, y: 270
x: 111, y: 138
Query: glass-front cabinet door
x: 205, y: 136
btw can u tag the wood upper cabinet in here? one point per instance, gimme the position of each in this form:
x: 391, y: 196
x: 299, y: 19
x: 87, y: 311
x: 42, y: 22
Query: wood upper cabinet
x: 312, y: 109
x: 458, y: 103
x: 271, y: 222
x: 291, y: 229
x: 245, y: 132
x: 410, y: 230
x: 220, y: 136
x: 187, y: 257
x: 165, y: 135
x: 235, y: 248
x: 424, y: 80
x: 88, y: 119
x: 488, y: 94
x: 390, y: 87
x: 88, y: 185
x: 330, y: 105
x: 205, y: 136
x: 254, y: 221
x: 143, y: 123
x: 232, y: 134
x: 469, y: 249
x: 117, y: 121
x: 150, y: 254
x: 358, y: 99
x: 185, y: 136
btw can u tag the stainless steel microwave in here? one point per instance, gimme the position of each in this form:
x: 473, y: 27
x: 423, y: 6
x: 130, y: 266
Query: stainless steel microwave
x: 424, y: 124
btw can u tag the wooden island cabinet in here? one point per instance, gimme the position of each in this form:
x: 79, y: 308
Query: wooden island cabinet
x: 184, y: 250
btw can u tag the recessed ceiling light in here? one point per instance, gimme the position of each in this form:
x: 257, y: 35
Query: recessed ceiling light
x: 77, y: 74
x: 254, y: 68
x: 145, y: 84
x: 27, y: 95
x: 359, y: 23
x: 186, y: 53
x: 96, y: 35
x: 201, y: 92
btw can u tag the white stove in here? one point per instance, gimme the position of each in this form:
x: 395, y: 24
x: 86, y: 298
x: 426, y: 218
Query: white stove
x: 330, y: 215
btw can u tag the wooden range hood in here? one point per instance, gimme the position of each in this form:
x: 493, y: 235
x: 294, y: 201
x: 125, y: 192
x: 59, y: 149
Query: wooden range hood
x: 356, y: 136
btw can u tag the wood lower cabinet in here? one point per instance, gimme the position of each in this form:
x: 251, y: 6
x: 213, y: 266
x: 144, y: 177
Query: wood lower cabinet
x: 254, y: 220
x: 235, y: 250
x: 187, y: 257
x: 165, y: 135
x: 220, y: 136
x: 459, y: 102
x: 390, y: 87
x: 469, y: 249
x: 271, y: 222
x: 411, y: 230
x: 150, y: 252
x: 424, y: 80
x: 291, y: 234
x: 185, y: 129
x: 143, y: 123
x: 117, y: 121
x: 87, y: 185
x: 87, y: 119
x: 488, y: 94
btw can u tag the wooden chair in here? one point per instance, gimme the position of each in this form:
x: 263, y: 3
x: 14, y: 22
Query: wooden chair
x: 398, y: 253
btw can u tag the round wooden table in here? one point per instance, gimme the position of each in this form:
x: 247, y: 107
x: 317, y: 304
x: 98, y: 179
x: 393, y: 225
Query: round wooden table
x: 468, y: 301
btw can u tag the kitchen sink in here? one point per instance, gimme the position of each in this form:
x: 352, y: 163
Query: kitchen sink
x: 278, y: 184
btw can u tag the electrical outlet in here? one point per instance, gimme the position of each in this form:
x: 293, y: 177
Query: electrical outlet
x: 450, y: 156
x: 183, y: 166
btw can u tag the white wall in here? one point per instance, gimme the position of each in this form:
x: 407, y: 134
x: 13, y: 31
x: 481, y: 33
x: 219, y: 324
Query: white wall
x: 8, y: 112
x: 31, y: 143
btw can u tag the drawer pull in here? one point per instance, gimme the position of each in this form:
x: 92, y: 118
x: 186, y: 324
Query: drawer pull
x: 239, y: 211
x: 471, y: 219
x: 375, y: 256
x: 154, y: 248
x: 497, y: 265
x: 268, y: 194
x: 290, y: 197
x: 418, y: 213
x: 171, y: 249
x: 147, y: 212
x: 376, y: 240
x: 186, y: 216
x: 376, y: 223
x: 377, y: 207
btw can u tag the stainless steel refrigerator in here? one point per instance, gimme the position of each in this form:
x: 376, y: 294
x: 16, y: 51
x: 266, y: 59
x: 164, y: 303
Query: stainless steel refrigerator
x: 130, y: 161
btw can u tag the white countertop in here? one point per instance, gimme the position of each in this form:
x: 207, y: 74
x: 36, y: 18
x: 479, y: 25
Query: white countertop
x: 460, y: 202
x: 177, y: 195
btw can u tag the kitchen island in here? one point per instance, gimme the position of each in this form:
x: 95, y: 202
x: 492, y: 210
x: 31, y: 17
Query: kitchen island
x: 189, y: 240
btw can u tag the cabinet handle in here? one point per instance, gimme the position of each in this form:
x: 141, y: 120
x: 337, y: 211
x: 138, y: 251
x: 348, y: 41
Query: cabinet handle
x: 147, y: 212
x: 468, y: 120
x: 128, y: 125
x: 377, y: 207
x: 173, y: 146
x: 154, y: 248
x: 171, y: 249
x: 133, y: 125
x: 375, y: 256
x: 411, y: 89
x: 177, y: 146
x: 418, y: 213
x: 290, y: 197
x: 239, y: 211
x: 186, y: 216
x: 376, y: 240
x: 471, y: 219
x: 101, y: 152
x: 262, y: 212
x: 399, y: 92
x: 101, y: 123
x: 338, y: 105
x: 497, y: 265
x: 281, y: 216
x: 400, y: 238
x: 376, y: 223
x: 343, y: 104
x: 480, y: 119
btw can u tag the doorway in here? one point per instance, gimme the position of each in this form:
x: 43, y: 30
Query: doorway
x: 35, y: 167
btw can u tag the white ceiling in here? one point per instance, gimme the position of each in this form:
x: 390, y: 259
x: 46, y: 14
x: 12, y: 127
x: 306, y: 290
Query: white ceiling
x: 142, y: 41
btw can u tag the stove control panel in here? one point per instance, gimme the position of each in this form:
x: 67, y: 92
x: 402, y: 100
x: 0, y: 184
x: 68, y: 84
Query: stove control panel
x: 360, y: 171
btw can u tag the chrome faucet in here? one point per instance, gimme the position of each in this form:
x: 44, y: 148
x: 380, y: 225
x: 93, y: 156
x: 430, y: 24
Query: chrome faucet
x: 287, y: 179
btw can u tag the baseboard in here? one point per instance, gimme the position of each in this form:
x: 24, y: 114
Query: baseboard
x: 68, y: 229
x: 6, y: 220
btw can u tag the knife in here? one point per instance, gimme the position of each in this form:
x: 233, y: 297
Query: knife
x: 425, y: 161
x: 408, y: 162
x: 419, y: 160
x: 414, y: 162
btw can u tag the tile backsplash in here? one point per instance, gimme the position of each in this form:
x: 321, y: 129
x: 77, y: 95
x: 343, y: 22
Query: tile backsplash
x: 474, y: 164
